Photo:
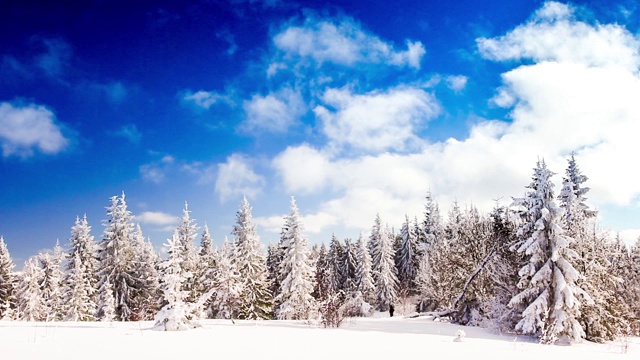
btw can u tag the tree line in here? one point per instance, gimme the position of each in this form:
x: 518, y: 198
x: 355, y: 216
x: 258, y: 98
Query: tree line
x: 539, y: 266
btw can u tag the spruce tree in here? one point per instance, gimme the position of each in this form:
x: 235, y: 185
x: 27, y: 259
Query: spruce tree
x: 406, y: 259
x: 7, y: 282
x: 78, y: 293
x: 29, y: 297
x: 294, y: 299
x: 364, y: 277
x: 116, y: 255
x: 549, y: 295
x: 227, y: 284
x: 146, y: 298
x: 52, y: 282
x: 383, y: 265
x: 335, y: 257
x: 256, y: 300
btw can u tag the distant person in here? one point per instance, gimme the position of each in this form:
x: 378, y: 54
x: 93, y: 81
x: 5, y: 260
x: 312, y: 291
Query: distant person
x: 391, y: 310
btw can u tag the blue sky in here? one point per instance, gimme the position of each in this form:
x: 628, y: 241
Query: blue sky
x: 355, y: 108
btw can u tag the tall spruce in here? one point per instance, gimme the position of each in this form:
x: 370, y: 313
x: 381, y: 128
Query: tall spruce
x: 116, y: 256
x: 383, y: 265
x: 83, y: 246
x: 249, y: 260
x: 7, y: 282
x: 295, y: 299
x: 550, y: 296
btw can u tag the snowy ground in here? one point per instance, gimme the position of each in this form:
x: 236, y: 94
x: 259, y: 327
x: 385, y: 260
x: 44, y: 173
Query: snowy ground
x: 375, y: 338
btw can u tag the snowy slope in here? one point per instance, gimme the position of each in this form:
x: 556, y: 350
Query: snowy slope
x: 374, y: 338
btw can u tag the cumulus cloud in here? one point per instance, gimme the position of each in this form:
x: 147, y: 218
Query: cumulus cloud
x: 577, y: 91
x: 456, y: 82
x: 30, y: 127
x: 377, y: 121
x: 204, y: 99
x: 236, y: 177
x: 156, y: 171
x: 156, y: 218
x: 275, y: 112
x: 553, y: 35
x: 344, y: 43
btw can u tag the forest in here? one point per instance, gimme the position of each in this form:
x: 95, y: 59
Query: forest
x: 539, y: 266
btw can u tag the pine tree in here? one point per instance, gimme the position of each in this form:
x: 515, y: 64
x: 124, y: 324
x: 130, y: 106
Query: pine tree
x: 206, y: 269
x: 383, y: 265
x: 116, y: 255
x: 106, y: 302
x: 250, y: 262
x: 80, y: 278
x: 322, y: 283
x: 335, y: 257
x: 52, y: 283
x: 406, y: 259
x: 7, y: 282
x: 78, y: 302
x: 227, y: 284
x: 186, y: 233
x: 349, y: 264
x: 548, y: 282
x: 364, y: 277
x: 296, y: 302
x: 30, y: 301
x: 145, y: 299
x: 176, y: 313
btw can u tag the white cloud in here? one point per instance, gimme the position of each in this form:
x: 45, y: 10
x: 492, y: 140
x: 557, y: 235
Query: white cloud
x: 156, y: 218
x: 377, y: 121
x: 553, y: 36
x: 156, y: 171
x: 55, y: 59
x: 580, y: 94
x: 25, y: 128
x: 236, y: 177
x: 456, y: 82
x: 275, y: 112
x: 204, y: 99
x: 344, y: 43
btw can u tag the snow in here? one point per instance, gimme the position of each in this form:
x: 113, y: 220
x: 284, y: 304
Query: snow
x: 375, y: 337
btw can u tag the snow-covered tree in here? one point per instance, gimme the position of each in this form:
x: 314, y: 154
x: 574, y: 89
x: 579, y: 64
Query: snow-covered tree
x: 206, y: 268
x: 52, y: 281
x: 80, y: 278
x: 383, y: 265
x: 227, y: 284
x: 364, y: 276
x: 116, y: 255
x: 406, y: 259
x: 295, y: 300
x: 186, y: 233
x: 78, y: 293
x: 334, y: 258
x: 249, y: 260
x: 349, y: 263
x: 106, y: 303
x: 549, y: 295
x: 176, y: 314
x: 83, y: 245
x: 30, y: 301
x: 322, y: 283
x: 7, y: 282
x: 146, y: 298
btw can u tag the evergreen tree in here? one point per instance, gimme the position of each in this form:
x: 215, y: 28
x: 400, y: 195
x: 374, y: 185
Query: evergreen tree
x: 548, y: 282
x: 227, y: 284
x: 78, y: 302
x: 116, y: 255
x: 146, y: 298
x: 349, y: 263
x: 176, y: 313
x: 364, y: 277
x: 335, y: 257
x: 250, y: 262
x: 383, y: 265
x: 30, y: 301
x: 296, y: 272
x: 322, y: 284
x: 82, y: 244
x: 7, y: 282
x: 206, y: 268
x: 106, y: 302
x: 186, y: 233
x: 51, y: 284
x: 406, y: 259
